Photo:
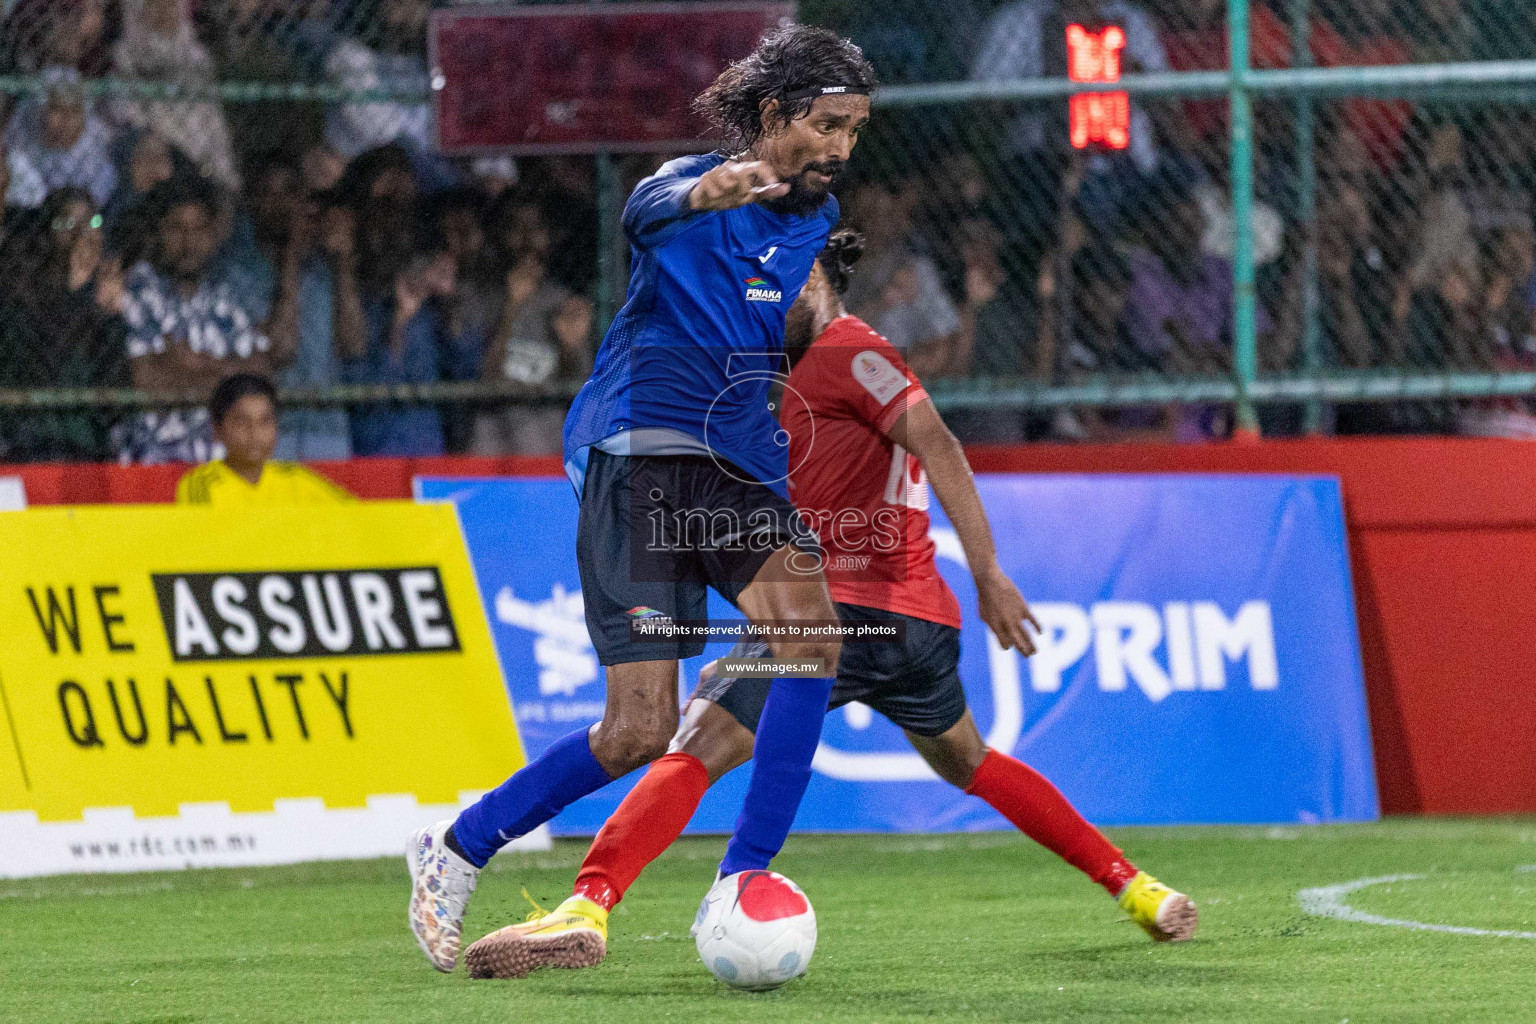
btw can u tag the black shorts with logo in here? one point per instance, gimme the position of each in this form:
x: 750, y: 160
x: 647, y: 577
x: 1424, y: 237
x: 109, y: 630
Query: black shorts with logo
x: 915, y: 683
x: 655, y: 531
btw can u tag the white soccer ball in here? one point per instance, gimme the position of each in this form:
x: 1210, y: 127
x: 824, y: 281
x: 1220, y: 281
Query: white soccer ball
x: 755, y: 930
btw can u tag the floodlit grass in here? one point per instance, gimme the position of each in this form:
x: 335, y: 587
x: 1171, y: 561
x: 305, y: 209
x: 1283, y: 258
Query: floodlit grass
x: 913, y: 928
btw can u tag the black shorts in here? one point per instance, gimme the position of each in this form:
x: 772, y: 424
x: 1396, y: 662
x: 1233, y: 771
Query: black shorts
x: 656, y: 530
x: 915, y: 683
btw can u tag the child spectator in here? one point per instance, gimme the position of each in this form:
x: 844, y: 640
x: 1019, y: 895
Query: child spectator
x: 243, y: 414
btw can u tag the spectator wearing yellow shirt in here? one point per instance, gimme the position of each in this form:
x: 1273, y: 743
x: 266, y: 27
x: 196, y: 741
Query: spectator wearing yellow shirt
x: 243, y: 413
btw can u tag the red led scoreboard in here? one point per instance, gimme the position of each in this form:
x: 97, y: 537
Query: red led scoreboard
x: 1098, y: 119
x: 527, y: 80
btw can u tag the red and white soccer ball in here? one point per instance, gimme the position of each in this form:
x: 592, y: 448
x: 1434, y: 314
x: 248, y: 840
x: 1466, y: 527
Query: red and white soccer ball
x: 755, y: 930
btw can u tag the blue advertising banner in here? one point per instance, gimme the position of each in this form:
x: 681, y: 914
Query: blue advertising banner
x: 1199, y: 660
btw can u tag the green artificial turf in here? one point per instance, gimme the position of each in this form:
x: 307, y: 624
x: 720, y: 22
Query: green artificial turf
x: 913, y: 928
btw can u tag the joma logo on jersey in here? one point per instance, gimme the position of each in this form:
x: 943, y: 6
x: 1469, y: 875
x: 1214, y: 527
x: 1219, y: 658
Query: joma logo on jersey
x: 758, y: 291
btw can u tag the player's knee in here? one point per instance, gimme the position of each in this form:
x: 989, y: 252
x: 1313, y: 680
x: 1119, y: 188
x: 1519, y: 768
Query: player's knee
x: 622, y: 750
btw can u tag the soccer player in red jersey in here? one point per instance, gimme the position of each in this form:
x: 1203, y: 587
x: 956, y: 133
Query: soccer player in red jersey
x: 865, y: 443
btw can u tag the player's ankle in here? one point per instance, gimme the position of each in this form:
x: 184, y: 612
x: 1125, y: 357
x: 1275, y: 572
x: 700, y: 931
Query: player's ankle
x: 1117, y: 876
x: 599, y: 890
x: 452, y: 842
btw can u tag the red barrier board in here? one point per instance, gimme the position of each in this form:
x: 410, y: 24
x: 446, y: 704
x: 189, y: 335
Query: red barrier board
x: 582, y: 78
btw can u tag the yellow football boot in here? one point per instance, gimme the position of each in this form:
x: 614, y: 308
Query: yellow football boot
x: 575, y: 934
x: 1164, y: 914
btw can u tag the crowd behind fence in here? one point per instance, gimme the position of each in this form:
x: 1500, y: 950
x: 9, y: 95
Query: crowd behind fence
x: 196, y: 188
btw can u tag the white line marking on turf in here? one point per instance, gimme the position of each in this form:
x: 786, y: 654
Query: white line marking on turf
x: 1328, y: 901
x: 1526, y: 867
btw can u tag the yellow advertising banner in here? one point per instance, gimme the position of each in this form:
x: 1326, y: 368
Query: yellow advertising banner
x: 154, y: 657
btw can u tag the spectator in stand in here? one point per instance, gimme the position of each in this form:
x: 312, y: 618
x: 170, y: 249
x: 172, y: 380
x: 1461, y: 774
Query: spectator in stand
x: 397, y: 60
x: 143, y: 160
x: 61, y: 138
x: 1349, y: 33
x: 897, y: 292
x: 536, y: 333
x: 569, y: 184
x: 1084, y: 298
x: 24, y: 188
x: 158, y: 45
x: 997, y: 336
x: 1432, y: 226
x: 1196, y: 40
x: 457, y: 216
x: 63, y: 328
x: 69, y: 33
x: 1180, y: 305
x: 1444, y: 329
x: 253, y: 41
x: 383, y: 174
x: 18, y: 208
x: 321, y: 167
x: 1509, y: 276
x: 187, y: 331
x: 243, y: 414
x: 288, y: 241
x: 408, y: 284
x: 494, y: 176
x: 1441, y: 32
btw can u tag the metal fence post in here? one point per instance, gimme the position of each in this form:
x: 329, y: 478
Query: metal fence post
x: 1245, y: 360
x: 1306, y: 211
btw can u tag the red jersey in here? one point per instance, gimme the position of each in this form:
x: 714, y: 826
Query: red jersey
x: 866, y: 497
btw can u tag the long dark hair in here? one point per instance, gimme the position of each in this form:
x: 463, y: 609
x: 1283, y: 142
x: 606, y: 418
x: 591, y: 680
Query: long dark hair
x: 792, y: 58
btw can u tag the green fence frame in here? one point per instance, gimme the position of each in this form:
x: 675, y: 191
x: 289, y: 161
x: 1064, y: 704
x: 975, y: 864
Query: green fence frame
x: 1490, y: 81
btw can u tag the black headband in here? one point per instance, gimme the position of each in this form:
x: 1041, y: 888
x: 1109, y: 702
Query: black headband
x: 827, y: 90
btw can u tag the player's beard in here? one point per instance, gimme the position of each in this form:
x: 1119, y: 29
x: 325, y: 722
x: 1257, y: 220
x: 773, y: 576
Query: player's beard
x: 803, y: 198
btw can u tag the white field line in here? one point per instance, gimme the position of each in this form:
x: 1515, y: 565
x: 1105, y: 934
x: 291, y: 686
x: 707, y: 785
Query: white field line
x: 1328, y: 901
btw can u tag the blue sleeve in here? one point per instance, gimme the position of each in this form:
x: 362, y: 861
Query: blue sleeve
x: 658, y: 209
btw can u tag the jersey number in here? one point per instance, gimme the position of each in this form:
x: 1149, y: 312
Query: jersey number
x: 906, y: 484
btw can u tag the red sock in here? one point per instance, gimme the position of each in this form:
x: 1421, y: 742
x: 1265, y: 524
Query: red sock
x: 648, y: 820
x: 1027, y: 798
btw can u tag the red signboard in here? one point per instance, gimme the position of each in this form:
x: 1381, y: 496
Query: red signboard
x: 1101, y: 118
x: 582, y: 78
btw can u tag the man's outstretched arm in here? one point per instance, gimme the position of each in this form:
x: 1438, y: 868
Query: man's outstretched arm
x: 921, y: 431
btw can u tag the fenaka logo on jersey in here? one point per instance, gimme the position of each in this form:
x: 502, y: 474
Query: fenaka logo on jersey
x: 758, y: 291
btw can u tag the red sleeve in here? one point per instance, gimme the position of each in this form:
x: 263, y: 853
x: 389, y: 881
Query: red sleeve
x: 873, y: 380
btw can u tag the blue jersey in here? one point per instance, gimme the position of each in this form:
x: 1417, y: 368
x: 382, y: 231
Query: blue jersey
x: 688, y: 361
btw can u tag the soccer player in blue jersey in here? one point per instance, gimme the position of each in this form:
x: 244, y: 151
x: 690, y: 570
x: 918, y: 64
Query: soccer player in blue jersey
x: 680, y: 468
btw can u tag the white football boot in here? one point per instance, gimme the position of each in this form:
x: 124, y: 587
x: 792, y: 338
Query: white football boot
x: 441, y: 884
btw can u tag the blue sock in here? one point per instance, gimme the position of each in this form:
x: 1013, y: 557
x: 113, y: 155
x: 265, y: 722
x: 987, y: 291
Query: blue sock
x: 566, y: 773
x: 787, y: 734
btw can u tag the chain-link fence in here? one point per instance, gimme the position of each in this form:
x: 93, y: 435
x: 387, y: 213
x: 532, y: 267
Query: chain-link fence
x: 197, y: 188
